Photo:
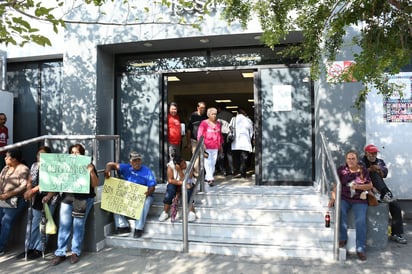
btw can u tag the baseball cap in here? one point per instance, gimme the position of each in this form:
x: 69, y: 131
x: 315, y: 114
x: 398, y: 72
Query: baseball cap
x: 371, y: 148
x: 134, y: 155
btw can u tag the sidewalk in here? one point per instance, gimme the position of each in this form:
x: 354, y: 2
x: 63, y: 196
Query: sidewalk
x: 396, y: 258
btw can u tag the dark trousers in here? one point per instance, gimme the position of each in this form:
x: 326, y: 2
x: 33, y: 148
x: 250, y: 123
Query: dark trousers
x: 241, y: 157
x: 379, y: 183
x: 394, y: 208
x: 225, y: 154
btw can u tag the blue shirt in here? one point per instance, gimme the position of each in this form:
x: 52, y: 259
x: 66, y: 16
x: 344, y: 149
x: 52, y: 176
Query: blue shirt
x: 144, y: 176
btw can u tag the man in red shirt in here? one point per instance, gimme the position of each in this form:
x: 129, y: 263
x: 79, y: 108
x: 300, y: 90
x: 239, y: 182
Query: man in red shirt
x: 174, y: 135
x: 4, y: 136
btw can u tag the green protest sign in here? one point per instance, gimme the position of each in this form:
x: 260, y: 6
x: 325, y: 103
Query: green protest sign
x: 64, y: 173
x: 123, y: 197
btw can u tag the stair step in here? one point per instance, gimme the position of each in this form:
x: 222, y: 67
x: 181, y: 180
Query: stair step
x: 266, y: 221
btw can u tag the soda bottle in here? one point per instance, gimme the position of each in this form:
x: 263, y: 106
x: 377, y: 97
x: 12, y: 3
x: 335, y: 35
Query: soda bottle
x: 327, y: 219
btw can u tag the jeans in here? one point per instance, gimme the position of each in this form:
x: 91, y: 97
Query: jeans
x: 35, y: 235
x: 210, y: 164
x: 359, y: 211
x: 171, y: 191
x: 7, y: 217
x: 121, y: 221
x: 67, y: 221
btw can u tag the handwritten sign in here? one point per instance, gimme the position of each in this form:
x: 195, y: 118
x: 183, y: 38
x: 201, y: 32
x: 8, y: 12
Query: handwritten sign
x: 123, y: 197
x: 64, y: 173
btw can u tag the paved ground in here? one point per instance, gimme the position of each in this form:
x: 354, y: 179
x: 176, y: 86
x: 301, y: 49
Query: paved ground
x: 395, y: 258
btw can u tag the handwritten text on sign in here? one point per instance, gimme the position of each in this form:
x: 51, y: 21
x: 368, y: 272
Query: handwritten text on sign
x: 64, y: 173
x: 123, y: 197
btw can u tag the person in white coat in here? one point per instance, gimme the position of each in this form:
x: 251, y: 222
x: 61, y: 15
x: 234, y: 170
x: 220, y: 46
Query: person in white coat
x: 242, y: 143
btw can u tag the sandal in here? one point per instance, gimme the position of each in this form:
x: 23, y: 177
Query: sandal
x: 210, y: 183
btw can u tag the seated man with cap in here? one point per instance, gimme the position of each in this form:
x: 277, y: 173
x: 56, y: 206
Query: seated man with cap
x: 137, y: 173
x: 377, y: 171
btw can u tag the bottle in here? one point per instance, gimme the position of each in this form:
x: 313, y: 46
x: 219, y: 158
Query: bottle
x: 327, y: 219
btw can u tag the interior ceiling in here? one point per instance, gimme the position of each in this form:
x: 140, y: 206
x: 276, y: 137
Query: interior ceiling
x: 210, y: 86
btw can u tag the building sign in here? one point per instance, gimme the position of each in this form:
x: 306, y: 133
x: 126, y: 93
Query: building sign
x: 123, y: 197
x: 397, y: 108
x: 282, y: 97
x: 198, y: 6
x: 64, y: 173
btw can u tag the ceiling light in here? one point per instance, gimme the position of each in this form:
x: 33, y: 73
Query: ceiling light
x: 223, y: 101
x: 251, y: 100
x: 247, y: 74
x: 204, y: 40
x: 232, y: 107
x: 144, y: 64
x: 172, y: 79
x: 147, y: 44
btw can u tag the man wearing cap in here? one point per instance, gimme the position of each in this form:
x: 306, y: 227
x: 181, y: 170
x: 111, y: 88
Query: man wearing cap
x: 377, y: 171
x: 137, y: 173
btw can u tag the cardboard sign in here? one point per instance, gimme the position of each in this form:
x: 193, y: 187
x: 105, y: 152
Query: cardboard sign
x: 123, y: 197
x: 64, y: 173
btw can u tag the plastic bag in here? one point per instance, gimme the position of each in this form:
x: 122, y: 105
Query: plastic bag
x: 51, y: 227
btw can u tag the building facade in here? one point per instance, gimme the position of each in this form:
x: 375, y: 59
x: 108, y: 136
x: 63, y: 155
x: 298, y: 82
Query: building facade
x: 114, y: 77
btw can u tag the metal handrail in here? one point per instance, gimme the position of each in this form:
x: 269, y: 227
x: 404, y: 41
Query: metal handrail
x: 327, y: 157
x: 198, y: 154
x: 47, y: 138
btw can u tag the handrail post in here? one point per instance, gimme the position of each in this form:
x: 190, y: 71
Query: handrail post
x: 337, y: 198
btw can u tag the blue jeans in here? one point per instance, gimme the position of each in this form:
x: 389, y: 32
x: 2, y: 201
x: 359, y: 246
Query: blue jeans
x: 121, y: 221
x: 65, y: 227
x: 7, y: 217
x: 359, y: 211
x: 171, y: 191
x: 35, y: 236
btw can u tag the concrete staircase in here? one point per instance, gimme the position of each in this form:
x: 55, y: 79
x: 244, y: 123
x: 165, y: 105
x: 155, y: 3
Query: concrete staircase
x: 263, y: 221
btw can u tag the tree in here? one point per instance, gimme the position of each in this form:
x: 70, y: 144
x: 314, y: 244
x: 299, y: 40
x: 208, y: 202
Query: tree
x: 385, y: 34
x: 15, y: 27
x: 385, y: 30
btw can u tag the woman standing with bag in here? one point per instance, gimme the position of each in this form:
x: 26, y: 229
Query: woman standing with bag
x: 13, y: 181
x: 210, y: 129
x: 74, y: 209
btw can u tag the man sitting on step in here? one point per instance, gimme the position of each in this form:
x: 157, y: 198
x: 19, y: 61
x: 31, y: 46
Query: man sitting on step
x: 377, y: 171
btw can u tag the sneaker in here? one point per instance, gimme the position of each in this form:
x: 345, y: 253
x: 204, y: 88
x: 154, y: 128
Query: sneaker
x: 163, y: 217
x: 122, y: 231
x: 23, y: 254
x: 58, y: 260
x: 34, y: 255
x: 74, y: 258
x: 399, y: 239
x: 137, y: 233
x: 388, y: 198
x: 191, y: 217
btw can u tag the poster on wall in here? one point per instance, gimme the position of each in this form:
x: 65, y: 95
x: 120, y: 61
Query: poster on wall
x: 397, y: 109
x: 282, y: 97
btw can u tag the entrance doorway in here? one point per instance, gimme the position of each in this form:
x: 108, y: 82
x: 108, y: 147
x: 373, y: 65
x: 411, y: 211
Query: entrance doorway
x: 234, y: 87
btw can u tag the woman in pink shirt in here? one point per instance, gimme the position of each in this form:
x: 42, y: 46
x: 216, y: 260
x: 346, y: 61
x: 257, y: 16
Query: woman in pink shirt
x: 210, y: 129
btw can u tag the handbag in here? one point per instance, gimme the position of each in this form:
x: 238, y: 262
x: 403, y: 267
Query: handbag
x: 231, y: 135
x: 9, y: 203
x: 372, y: 201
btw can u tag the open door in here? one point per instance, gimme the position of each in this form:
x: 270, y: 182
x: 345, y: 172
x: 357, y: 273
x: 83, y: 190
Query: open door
x: 284, y: 129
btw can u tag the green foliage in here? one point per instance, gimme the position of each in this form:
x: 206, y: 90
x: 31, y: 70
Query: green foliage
x: 385, y: 35
x: 15, y: 27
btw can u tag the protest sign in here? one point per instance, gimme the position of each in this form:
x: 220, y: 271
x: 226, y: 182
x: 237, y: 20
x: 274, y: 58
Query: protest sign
x: 64, y: 173
x: 123, y: 197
